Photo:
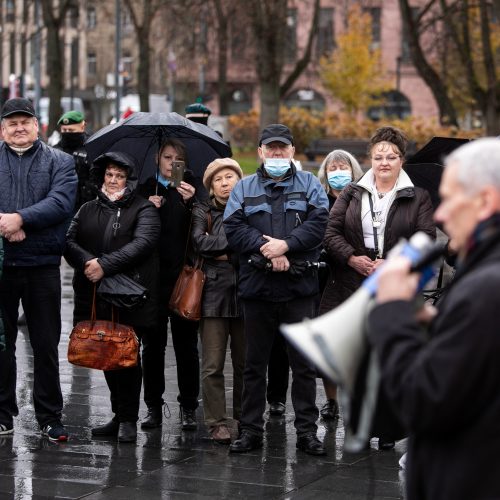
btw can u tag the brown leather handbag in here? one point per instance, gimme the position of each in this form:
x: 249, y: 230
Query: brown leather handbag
x: 103, y: 345
x: 185, y: 300
x: 186, y: 297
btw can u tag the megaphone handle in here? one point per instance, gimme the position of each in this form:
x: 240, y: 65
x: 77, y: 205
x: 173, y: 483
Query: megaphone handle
x: 355, y: 443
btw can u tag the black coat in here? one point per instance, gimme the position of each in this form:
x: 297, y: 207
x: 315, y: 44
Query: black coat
x: 175, y: 216
x: 131, y: 248
x: 220, y: 290
x: 445, y: 387
x: 411, y: 211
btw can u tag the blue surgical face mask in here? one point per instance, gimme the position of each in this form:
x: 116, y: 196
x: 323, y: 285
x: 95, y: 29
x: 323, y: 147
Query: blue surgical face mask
x: 277, y: 167
x: 339, y: 179
x: 164, y: 182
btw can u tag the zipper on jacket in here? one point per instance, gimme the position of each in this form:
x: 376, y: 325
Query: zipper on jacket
x: 116, y: 224
x: 298, y: 221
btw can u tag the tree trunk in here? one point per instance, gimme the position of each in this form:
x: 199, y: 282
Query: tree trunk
x: 447, y: 112
x: 269, y: 102
x: 55, y: 58
x: 143, y: 67
x: 222, y: 38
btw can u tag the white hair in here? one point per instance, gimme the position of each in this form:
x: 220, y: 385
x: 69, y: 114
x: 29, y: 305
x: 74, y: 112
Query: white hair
x: 343, y: 157
x: 478, y: 164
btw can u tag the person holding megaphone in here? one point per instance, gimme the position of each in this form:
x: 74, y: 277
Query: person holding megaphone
x: 368, y: 219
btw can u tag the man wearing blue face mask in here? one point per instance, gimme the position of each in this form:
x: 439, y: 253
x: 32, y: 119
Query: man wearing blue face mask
x: 273, y: 220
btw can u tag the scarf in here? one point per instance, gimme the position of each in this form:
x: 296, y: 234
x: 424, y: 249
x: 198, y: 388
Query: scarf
x: 113, y: 196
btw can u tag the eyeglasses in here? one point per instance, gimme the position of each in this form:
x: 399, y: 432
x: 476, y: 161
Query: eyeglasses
x: 390, y: 158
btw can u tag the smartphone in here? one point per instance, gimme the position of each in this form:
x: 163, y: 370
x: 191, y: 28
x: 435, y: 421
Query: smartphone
x: 177, y: 173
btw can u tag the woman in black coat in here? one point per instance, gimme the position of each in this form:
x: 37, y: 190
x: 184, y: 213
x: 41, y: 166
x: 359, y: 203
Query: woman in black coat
x: 174, y: 206
x: 221, y: 315
x: 116, y: 233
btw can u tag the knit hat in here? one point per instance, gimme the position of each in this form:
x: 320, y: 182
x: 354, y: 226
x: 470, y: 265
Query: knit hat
x: 217, y: 165
x: 71, y: 117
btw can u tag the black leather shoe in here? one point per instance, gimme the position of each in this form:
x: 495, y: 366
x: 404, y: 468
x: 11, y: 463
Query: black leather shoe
x: 153, y: 419
x: 386, y: 443
x: 277, y: 409
x: 108, y: 429
x: 188, y: 419
x: 127, y: 432
x: 310, y: 444
x: 330, y: 410
x: 246, y: 442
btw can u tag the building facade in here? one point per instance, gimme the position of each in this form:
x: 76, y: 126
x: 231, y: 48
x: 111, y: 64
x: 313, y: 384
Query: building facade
x: 184, y: 56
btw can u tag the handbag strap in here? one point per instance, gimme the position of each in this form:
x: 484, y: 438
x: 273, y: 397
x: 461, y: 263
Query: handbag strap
x: 93, y: 314
x: 199, y: 262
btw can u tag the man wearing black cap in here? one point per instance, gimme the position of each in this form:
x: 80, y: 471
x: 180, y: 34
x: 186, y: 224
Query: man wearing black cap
x: 274, y: 219
x: 37, y: 196
x: 73, y: 136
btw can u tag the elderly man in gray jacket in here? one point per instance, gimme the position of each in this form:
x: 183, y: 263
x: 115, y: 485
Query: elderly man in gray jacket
x: 37, y: 196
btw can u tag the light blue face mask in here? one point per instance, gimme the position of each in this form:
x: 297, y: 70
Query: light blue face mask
x: 164, y: 182
x: 277, y: 167
x: 339, y: 179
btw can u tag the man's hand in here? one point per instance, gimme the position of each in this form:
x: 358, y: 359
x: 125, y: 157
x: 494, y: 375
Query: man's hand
x: 10, y: 224
x: 273, y: 248
x: 93, y: 270
x: 17, y: 236
x: 396, y: 282
x: 280, y: 264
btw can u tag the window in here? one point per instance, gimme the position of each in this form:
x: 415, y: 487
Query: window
x: 10, y: 11
x: 325, y: 41
x: 91, y: 18
x: 291, y: 36
x: 375, y: 14
x: 405, y: 45
x: 91, y: 63
x: 72, y: 16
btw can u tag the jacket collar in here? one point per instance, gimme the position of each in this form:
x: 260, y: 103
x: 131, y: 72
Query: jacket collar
x: 368, y: 181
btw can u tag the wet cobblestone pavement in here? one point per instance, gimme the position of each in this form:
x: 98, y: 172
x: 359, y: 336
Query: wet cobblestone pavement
x: 167, y: 463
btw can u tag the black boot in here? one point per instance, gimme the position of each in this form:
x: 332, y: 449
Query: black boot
x: 188, y: 419
x: 110, y: 429
x: 153, y: 418
x: 127, y: 432
x: 246, y: 442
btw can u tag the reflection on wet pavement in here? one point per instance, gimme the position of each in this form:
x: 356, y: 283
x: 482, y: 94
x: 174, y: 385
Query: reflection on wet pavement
x: 168, y: 463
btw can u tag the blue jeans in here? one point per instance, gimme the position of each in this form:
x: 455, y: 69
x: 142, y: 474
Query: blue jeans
x: 39, y: 290
x: 262, y: 321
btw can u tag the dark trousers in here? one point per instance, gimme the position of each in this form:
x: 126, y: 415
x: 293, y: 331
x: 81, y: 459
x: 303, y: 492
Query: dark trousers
x: 185, y: 342
x: 262, y: 321
x: 278, y: 372
x: 39, y: 290
x: 125, y: 388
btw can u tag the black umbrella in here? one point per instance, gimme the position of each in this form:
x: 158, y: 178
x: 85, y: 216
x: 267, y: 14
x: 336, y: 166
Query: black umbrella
x: 141, y: 133
x: 425, y: 167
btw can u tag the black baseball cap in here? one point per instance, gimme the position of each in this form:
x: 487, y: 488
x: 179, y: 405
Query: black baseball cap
x: 18, y: 105
x: 276, y: 132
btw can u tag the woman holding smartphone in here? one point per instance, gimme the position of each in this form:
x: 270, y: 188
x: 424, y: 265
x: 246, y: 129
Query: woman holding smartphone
x: 174, y: 203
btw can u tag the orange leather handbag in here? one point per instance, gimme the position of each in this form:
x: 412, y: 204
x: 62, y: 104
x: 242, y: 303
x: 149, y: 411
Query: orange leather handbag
x: 103, y: 345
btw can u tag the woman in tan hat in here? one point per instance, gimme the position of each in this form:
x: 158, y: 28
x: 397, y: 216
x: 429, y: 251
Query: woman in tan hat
x: 221, y: 317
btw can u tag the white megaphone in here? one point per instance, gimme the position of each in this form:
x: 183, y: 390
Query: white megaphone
x: 336, y: 342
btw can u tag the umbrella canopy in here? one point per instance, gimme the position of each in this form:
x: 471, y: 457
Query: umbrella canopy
x: 425, y: 167
x: 141, y: 133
